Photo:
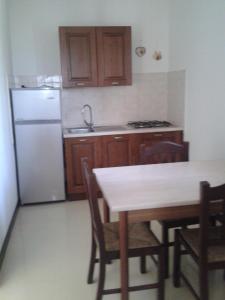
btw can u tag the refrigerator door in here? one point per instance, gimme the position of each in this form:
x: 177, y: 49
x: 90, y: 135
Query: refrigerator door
x: 40, y: 162
x: 37, y: 104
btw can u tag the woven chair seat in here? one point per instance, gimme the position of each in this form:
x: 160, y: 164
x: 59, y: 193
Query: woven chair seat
x: 139, y: 236
x: 215, y: 253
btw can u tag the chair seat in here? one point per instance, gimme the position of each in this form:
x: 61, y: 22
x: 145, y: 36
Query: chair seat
x: 215, y: 253
x: 139, y: 236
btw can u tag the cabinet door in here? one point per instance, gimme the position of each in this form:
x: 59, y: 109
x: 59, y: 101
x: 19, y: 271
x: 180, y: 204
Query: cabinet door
x: 114, y: 55
x: 150, y: 139
x: 78, y: 56
x: 116, y: 150
x: 75, y: 149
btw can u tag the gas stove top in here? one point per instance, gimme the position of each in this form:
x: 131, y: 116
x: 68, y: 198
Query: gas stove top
x: 149, y: 124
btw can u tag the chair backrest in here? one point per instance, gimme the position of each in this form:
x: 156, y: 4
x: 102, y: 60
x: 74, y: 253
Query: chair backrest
x: 211, y: 198
x: 91, y: 192
x: 163, y: 152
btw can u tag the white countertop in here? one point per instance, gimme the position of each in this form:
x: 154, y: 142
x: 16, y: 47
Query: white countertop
x: 127, y: 130
x: 158, y: 185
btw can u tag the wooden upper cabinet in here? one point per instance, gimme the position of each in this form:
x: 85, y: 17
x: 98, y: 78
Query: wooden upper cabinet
x: 78, y: 56
x: 114, y: 55
x: 95, y: 56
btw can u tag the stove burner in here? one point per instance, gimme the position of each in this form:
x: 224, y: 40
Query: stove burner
x: 149, y: 124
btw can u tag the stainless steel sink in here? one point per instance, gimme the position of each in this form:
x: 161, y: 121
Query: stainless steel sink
x: 109, y: 128
x: 80, y: 130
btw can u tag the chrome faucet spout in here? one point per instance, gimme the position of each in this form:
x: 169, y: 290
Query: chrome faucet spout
x: 89, y: 124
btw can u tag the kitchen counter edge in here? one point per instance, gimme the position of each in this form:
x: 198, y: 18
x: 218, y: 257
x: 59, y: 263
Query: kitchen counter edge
x: 125, y: 131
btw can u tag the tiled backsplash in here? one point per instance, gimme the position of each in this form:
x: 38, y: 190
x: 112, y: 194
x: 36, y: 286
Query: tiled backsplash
x: 35, y: 81
x: 145, y: 99
x: 151, y: 96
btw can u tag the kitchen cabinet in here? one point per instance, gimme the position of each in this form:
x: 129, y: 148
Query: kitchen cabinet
x: 116, y: 150
x: 107, y: 151
x: 151, y: 138
x: 75, y: 149
x: 114, y: 55
x: 78, y: 56
x: 95, y: 56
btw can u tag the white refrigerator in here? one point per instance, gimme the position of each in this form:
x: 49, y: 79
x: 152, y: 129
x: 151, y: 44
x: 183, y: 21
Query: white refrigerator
x: 39, y: 144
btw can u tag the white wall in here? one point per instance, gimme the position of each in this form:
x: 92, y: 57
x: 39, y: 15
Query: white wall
x: 34, y: 30
x: 8, y: 191
x: 176, y: 97
x: 197, y: 44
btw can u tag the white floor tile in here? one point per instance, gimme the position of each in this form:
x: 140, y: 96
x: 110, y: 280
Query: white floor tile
x: 48, y: 256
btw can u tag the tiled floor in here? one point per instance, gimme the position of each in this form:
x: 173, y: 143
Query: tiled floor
x: 48, y: 256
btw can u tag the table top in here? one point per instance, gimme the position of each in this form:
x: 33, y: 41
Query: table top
x: 159, y: 185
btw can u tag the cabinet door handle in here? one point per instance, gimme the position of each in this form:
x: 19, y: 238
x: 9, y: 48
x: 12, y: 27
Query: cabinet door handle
x: 115, y: 83
x: 82, y: 140
x: 80, y: 83
x: 118, y: 137
x: 158, y: 134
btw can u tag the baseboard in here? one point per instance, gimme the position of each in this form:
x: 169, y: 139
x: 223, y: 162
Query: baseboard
x: 7, y: 238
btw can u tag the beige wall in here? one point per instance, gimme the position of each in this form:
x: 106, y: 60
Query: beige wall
x: 34, y: 30
x: 197, y: 45
x: 35, y: 52
x: 8, y: 192
x: 176, y: 97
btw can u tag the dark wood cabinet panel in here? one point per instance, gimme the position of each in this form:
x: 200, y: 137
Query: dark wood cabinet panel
x: 75, y: 149
x: 114, y: 55
x: 95, y: 56
x: 116, y: 150
x: 78, y: 56
x: 150, y: 139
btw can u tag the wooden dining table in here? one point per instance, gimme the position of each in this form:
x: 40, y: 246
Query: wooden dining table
x: 154, y: 192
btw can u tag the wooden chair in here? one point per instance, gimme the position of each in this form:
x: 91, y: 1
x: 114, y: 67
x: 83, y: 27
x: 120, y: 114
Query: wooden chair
x: 205, y: 244
x: 142, y: 242
x: 167, y: 152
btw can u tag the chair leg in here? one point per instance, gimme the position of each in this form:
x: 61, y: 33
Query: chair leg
x: 165, y: 238
x: 203, y: 282
x: 92, y: 262
x: 101, y: 279
x: 176, y: 260
x: 224, y: 274
x: 161, y: 275
x: 143, y: 264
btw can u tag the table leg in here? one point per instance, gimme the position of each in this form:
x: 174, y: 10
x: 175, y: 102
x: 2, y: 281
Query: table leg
x: 105, y: 212
x: 124, y: 267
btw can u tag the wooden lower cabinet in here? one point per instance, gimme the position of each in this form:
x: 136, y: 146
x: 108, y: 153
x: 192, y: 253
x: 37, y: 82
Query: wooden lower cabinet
x: 149, y: 139
x: 107, y: 151
x: 75, y: 149
x: 116, y: 150
x: 152, y: 138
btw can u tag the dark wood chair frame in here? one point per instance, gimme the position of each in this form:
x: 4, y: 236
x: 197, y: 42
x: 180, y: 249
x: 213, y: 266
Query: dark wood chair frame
x: 208, y: 196
x: 106, y: 256
x: 167, y: 152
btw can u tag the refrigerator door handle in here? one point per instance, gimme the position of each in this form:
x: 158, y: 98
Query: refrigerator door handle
x: 36, y: 122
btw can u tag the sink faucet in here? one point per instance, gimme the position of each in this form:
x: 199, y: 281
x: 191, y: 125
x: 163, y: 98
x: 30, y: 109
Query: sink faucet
x: 90, y: 124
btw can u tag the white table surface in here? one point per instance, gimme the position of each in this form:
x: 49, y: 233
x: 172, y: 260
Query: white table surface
x: 159, y: 185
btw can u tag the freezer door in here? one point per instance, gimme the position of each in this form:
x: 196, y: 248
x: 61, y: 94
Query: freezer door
x: 40, y: 162
x: 36, y: 104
